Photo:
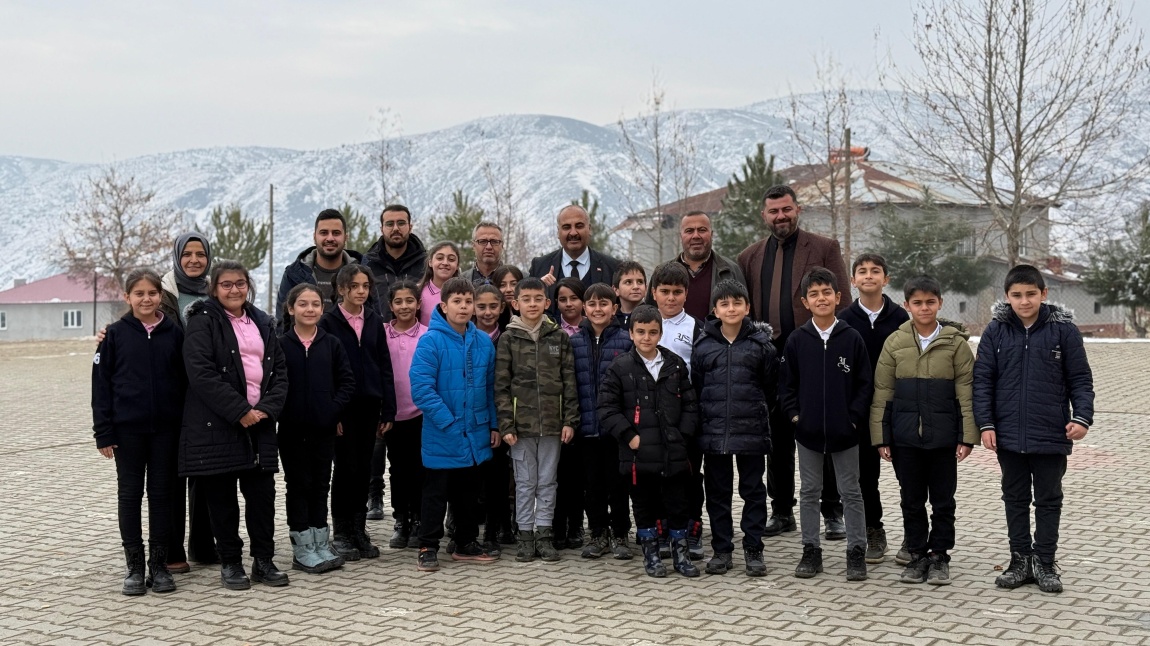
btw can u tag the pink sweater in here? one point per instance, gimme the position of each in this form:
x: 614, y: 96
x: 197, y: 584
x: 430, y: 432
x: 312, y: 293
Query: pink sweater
x: 251, y: 354
x: 402, y: 348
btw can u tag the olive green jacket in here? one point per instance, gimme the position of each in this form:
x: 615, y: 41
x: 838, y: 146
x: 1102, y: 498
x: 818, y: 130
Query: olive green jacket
x: 535, y: 389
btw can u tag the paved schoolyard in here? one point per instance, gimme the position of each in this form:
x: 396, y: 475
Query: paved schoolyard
x: 61, y: 565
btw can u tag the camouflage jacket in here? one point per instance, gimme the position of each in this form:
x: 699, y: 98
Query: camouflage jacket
x: 535, y: 390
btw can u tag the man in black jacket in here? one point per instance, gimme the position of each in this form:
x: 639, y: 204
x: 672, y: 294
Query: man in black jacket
x: 574, y: 258
x: 705, y: 267
x: 319, y: 263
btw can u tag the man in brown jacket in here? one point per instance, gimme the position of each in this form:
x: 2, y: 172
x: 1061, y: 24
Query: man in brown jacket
x: 773, y: 269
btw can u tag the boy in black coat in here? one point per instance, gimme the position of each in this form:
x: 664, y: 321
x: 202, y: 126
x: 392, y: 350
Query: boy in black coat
x: 824, y: 370
x: 733, y: 368
x: 647, y: 404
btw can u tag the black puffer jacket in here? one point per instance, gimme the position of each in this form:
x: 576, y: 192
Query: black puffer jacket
x: 591, y: 362
x: 875, y: 334
x: 213, y: 441
x: 734, y: 381
x: 1027, y: 381
x: 369, y: 356
x: 663, y: 412
x: 320, y: 383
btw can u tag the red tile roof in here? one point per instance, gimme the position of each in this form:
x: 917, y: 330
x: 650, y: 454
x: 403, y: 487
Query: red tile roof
x: 60, y: 288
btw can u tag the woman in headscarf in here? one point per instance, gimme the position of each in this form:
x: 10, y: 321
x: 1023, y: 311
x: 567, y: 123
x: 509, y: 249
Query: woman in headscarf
x: 187, y: 283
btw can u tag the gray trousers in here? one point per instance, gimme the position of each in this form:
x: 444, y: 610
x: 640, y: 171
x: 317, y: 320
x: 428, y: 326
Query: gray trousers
x: 846, y: 464
x: 536, y: 461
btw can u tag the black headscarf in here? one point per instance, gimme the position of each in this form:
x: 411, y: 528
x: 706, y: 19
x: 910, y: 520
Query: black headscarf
x: 186, y: 283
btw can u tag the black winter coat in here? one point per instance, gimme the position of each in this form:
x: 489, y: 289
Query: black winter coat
x: 875, y: 334
x: 388, y: 270
x: 369, y: 356
x: 320, y: 383
x: 828, y: 386
x: 138, y: 380
x: 734, y: 382
x: 1029, y: 384
x: 213, y: 441
x: 662, y: 412
x: 591, y: 362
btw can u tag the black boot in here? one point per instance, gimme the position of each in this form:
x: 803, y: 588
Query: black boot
x: 361, y: 539
x: 413, y: 539
x: 401, y: 534
x: 233, y: 577
x: 681, y: 554
x: 159, y: 578
x: 649, y: 542
x: 375, y: 507
x: 266, y: 572
x: 343, y: 542
x: 134, y: 583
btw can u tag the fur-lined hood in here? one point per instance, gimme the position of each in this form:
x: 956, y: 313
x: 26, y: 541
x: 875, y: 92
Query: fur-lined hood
x: 1054, y: 312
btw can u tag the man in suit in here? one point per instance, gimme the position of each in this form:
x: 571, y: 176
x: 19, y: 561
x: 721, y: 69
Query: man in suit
x: 773, y: 269
x: 574, y: 257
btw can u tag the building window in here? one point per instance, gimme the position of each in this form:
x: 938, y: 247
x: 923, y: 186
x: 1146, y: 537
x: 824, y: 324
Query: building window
x: 962, y: 307
x: 73, y: 319
x: 3, y: 320
x: 1097, y: 308
x: 968, y: 246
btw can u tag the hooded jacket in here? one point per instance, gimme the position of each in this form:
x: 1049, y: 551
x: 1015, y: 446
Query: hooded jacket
x: 535, y: 391
x: 734, y: 381
x: 320, y: 383
x: 138, y: 380
x: 662, y: 412
x: 826, y: 385
x: 922, y: 398
x: 592, y: 358
x: 388, y: 270
x: 875, y: 334
x: 452, y: 379
x: 303, y: 271
x: 212, y: 440
x: 1029, y: 384
x: 369, y: 356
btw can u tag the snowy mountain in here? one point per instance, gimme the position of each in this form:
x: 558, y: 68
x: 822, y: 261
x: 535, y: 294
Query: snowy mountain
x: 551, y: 160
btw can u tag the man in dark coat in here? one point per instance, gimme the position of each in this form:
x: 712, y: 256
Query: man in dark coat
x: 574, y: 258
x: 706, y: 268
x: 398, y: 254
x: 318, y: 264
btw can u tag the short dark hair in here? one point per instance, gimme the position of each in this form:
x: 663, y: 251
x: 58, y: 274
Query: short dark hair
x: 729, y: 289
x: 670, y: 273
x: 293, y: 296
x: 1023, y: 275
x: 779, y: 191
x: 346, y: 275
x: 330, y: 214
x: 395, y: 207
x: 223, y: 266
x: 530, y: 283
x: 870, y: 257
x: 456, y: 285
x: 627, y: 267
x: 489, y: 289
x: 921, y: 283
x: 645, y: 314
x: 573, y: 284
x: 818, y: 276
x: 601, y: 290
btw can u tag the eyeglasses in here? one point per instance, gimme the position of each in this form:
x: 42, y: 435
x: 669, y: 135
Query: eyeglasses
x: 487, y: 243
x: 227, y: 285
x: 394, y: 224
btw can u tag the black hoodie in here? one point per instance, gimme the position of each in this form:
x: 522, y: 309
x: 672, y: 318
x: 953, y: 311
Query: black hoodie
x: 875, y: 334
x: 387, y: 270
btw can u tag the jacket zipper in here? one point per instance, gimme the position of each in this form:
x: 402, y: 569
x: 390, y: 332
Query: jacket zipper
x: 727, y: 426
x: 826, y: 436
x: 1025, y: 362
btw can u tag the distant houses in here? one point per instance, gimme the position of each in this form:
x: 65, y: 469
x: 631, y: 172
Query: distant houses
x: 59, y: 307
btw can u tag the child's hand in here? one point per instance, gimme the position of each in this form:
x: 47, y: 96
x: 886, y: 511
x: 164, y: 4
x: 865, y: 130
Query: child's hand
x: 339, y: 429
x: 990, y: 440
x: 1075, y: 431
x: 494, y: 439
x: 510, y: 439
x: 100, y: 339
x: 383, y: 428
x: 884, y: 452
x: 634, y: 443
x: 108, y: 451
x: 250, y: 418
x: 567, y: 435
x: 961, y: 452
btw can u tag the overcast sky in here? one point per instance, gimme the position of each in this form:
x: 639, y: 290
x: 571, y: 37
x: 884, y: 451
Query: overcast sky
x: 109, y: 80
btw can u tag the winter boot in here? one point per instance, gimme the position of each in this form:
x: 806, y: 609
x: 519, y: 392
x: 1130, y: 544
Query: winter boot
x: 754, y: 560
x: 681, y: 554
x: 875, y: 545
x: 599, y: 545
x: 134, y: 583
x: 811, y: 563
x: 649, y: 541
x: 856, y: 563
x: 323, y: 548
x: 233, y: 577
x: 620, y: 547
x: 343, y: 543
x: 266, y: 572
x: 1018, y: 574
x: 401, y: 534
x: 304, y: 556
x: 375, y: 507
x: 720, y: 563
x: 1045, y: 575
x: 544, y: 545
x: 361, y: 539
x: 695, y: 540
x: 159, y: 578
x: 413, y: 540
x: 525, y: 546
x: 664, y: 540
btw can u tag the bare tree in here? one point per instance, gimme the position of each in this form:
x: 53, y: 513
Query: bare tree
x: 1017, y: 99
x: 504, y: 197
x: 115, y: 228
x: 385, y: 154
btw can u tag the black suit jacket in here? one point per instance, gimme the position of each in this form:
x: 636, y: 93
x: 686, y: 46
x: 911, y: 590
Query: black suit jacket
x: 602, y: 268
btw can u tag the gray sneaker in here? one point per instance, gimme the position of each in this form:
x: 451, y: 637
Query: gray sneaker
x: 836, y: 529
x: 916, y: 570
x: 903, y: 557
x: 875, y: 545
x: 620, y: 548
x: 939, y: 572
x: 720, y: 563
x: 598, y: 546
x: 755, y: 565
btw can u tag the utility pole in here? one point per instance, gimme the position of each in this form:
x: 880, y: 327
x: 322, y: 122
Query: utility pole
x: 847, y: 200
x: 271, y: 250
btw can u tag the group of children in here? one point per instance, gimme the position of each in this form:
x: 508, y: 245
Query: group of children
x: 598, y: 399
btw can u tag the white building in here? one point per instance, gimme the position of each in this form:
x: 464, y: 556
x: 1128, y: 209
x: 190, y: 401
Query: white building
x: 59, y: 307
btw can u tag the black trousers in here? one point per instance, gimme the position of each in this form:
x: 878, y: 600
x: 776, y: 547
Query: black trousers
x: 1026, y: 478
x: 259, y: 490
x: 375, y: 486
x: 869, y: 472
x: 781, y: 472
x: 927, y: 474
x: 460, y: 488
x: 605, y: 490
x: 695, y: 491
x: 404, y: 442
x: 719, y: 480
x: 352, y: 465
x: 201, y: 544
x: 145, y: 462
x: 655, y: 497
x: 497, y: 502
x: 306, y: 456
x: 569, y: 497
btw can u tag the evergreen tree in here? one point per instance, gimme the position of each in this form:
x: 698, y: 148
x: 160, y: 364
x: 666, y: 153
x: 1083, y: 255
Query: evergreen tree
x: 600, y: 232
x: 740, y: 223
x: 237, y: 237
x: 458, y: 226
x: 931, y: 244
x: 1119, y: 272
x: 360, y: 234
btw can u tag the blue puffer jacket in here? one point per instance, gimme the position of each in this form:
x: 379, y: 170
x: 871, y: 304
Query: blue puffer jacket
x: 734, y: 382
x: 453, y: 383
x: 591, y: 362
x: 1026, y: 381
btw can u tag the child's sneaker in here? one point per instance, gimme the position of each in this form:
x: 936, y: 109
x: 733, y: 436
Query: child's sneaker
x: 916, y: 569
x: 1017, y: 574
x: 720, y: 563
x: 903, y: 557
x: 545, y: 545
x: 938, y: 573
x: 875, y: 545
x: 492, y: 548
x: 598, y: 546
x: 472, y: 552
x: 856, y: 563
x: 811, y: 563
x: 575, y: 537
x: 427, y: 561
x: 755, y: 565
x: 621, y: 548
x: 525, y: 546
x: 1045, y: 575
